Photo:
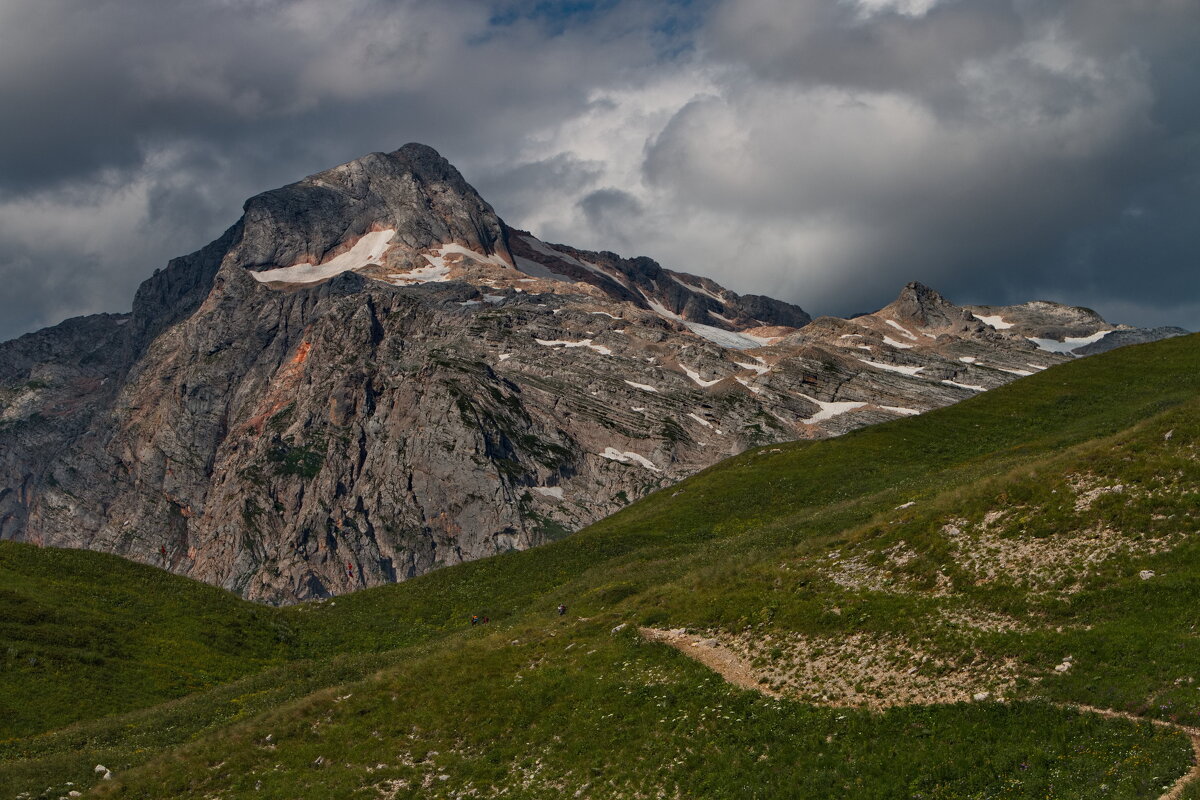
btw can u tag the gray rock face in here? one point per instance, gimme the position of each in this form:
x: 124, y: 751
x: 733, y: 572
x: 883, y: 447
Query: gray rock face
x: 370, y: 376
x: 53, y: 383
x: 924, y: 307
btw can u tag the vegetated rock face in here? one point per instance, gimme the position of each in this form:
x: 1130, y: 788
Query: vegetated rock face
x: 370, y: 375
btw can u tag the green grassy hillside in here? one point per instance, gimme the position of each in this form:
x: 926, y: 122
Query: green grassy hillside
x: 79, y: 625
x: 875, y: 584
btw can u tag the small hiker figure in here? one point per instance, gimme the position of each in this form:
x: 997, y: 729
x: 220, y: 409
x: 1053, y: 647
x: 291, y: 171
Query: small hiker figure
x: 485, y: 620
x: 163, y: 550
x: 562, y: 610
x: 474, y: 619
x: 349, y: 570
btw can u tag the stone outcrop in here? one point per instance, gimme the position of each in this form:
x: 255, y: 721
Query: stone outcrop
x: 370, y: 376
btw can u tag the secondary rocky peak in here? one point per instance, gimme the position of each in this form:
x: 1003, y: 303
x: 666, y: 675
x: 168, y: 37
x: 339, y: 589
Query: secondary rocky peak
x: 923, y: 306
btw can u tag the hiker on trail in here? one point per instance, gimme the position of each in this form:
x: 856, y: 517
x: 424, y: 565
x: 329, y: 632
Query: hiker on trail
x: 562, y: 610
x: 474, y: 619
x: 349, y: 570
x: 485, y: 619
x: 163, y: 550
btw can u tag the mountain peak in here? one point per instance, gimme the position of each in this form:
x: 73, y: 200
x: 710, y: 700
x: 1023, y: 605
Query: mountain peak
x: 419, y: 160
x: 418, y: 153
x: 924, y: 306
x: 920, y: 294
x: 413, y: 193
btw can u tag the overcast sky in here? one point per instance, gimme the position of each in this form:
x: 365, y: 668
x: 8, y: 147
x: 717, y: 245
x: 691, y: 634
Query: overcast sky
x: 821, y: 151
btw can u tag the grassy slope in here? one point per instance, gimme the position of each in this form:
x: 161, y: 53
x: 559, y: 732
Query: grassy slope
x: 737, y: 546
x: 81, y: 625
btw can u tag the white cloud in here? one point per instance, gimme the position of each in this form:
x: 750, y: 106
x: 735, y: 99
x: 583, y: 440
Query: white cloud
x: 908, y: 8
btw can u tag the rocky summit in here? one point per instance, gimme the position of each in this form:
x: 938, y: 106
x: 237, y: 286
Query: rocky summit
x: 370, y: 375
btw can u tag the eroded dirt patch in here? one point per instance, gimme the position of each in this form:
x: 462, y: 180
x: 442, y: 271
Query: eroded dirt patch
x: 1060, y: 562
x: 858, y: 671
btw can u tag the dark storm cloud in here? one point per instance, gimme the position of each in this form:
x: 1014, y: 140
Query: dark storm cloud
x: 141, y: 126
x: 611, y: 213
x: 95, y: 85
x: 999, y: 151
x: 824, y: 150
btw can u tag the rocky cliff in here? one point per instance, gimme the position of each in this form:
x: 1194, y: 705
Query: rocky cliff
x: 370, y: 375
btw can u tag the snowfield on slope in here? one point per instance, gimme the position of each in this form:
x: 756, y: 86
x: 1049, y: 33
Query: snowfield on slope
x: 369, y: 249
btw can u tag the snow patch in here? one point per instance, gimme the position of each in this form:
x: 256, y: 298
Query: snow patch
x: 696, y: 289
x: 995, y: 321
x: 1068, y: 345
x: 903, y: 330
x: 599, y: 348
x: 457, y: 249
x: 1021, y: 372
x: 661, y: 310
x: 968, y: 359
x: 965, y: 386
x: 438, y: 270
x: 643, y: 387
x: 732, y: 340
x: 434, y: 273
x: 701, y: 420
x: 908, y: 412
x: 828, y: 409
x: 761, y: 369
x: 613, y: 454
x: 695, y: 376
x: 892, y: 367
x: 369, y: 249
x: 505, y: 356
x: 898, y: 345
x: 728, y: 339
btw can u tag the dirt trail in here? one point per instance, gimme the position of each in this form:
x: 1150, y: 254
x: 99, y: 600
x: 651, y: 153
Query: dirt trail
x: 733, y: 669
x: 1185, y: 780
x: 719, y: 659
